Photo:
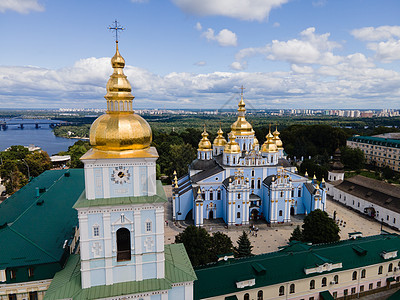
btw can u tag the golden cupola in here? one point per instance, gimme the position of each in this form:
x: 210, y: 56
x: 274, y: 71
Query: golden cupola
x: 204, y: 143
x: 219, y: 141
x: 120, y: 132
x: 276, y: 139
x: 241, y: 126
x: 269, y: 145
x: 232, y: 146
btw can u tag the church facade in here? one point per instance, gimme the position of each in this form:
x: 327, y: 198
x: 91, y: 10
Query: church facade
x: 239, y: 181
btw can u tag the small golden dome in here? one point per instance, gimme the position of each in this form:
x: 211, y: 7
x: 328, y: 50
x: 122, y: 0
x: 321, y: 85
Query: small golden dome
x: 219, y: 141
x: 232, y: 146
x: 241, y: 126
x: 277, y: 140
x: 205, y: 143
x: 120, y: 129
x: 255, y: 141
x: 269, y: 145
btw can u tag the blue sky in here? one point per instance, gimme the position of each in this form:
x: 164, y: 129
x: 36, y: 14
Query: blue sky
x: 197, y: 53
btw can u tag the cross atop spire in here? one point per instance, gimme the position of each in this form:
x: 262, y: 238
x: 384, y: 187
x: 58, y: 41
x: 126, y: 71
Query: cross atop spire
x: 242, y: 88
x: 116, y: 26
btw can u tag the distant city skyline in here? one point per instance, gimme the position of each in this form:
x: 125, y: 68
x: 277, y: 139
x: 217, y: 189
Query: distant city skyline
x: 191, y: 54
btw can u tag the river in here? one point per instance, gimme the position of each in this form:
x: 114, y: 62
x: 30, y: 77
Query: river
x: 42, y: 137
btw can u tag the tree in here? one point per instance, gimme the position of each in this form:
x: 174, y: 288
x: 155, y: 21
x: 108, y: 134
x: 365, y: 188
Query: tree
x: 352, y: 158
x: 318, y: 228
x: 181, y: 157
x: 387, y: 172
x: 296, y: 234
x: 220, y: 244
x: 244, y: 246
x: 197, y: 243
x: 76, y: 151
x: 38, y: 162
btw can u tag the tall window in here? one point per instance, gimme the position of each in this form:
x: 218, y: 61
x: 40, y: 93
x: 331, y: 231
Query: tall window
x: 252, y: 183
x: 12, y: 296
x: 96, y: 231
x: 354, y: 276
x: 123, y: 244
x: 280, y: 213
x: 238, y: 196
x: 252, y: 173
x: 312, y: 284
x: 148, y: 226
x: 323, y: 283
x: 219, y: 195
x: 211, y: 195
x: 380, y: 270
x: 292, y: 288
x: 246, y: 296
x: 259, y: 183
x: 390, y: 268
x: 281, y: 290
x: 363, y: 273
x: 299, y: 192
x: 260, y: 295
x: 33, y: 296
x: 238, y: 215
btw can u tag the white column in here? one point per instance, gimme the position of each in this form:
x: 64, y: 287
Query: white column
x: 189, y: 291
x: 151, y: 186
x: 174, y: 198
x: 108, y: 247
x: 84, y: 236
x: 136, y: 181
x: 89, y: 182
x: 106, y: 183
x: 229, y: 208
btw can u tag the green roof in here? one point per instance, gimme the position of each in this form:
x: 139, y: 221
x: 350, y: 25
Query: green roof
x: 159, y: 197
x: 35, y: 233
x: 376, y: 141
x: 289, y: 263
x: 326, y: 295
x: 67, y: 283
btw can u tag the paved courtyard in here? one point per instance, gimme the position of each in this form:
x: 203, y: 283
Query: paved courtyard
x: 269, y: 239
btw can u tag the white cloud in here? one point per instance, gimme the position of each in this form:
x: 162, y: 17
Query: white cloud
x: 200, y: 63
x: 381, y: 33
x: 224, y: 38
x: 319, y: 3
x: 311, y: 48
x: 276, y: 24
x: 20, y: 6
x: 198, y: 26
x: 240, y: 9
x: 354, y: 82
x: 238, y: 65
x: 384, y: 40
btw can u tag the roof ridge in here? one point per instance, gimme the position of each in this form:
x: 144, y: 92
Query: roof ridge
x: 179, y: 264
x: 33, y: 243
x: 35, y: 201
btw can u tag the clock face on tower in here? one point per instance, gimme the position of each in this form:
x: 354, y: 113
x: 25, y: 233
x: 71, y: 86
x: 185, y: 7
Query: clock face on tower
x: 120, y: 175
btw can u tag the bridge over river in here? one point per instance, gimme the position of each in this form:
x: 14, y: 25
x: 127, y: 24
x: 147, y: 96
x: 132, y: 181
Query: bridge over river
x: 35, y: 123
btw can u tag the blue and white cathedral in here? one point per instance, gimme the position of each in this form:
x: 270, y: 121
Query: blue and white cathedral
x: 239, y: 181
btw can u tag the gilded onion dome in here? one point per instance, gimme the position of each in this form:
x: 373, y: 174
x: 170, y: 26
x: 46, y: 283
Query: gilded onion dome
x: 269, y: 145
x: 276, y: 139
x: 255, y: 141
x: 232, y: 146
x: 204, y: 143
x: 120, y: 129
x: 241, y: 126
x: 219, y: 140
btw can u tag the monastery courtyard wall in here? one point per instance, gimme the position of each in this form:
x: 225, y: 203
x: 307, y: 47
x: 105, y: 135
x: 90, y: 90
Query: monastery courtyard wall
x: 270, y: 238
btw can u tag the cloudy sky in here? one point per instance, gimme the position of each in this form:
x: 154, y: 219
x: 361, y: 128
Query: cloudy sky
x: 197, y: 53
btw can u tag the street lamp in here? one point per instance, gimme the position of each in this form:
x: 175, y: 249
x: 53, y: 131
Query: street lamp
x: 29, y: 173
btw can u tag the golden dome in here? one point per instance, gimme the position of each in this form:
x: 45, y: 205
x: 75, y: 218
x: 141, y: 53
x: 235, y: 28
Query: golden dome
x: 277, y: 140
x: 219, y: 140
x: 241, y: 126
x: 120, y: 129
x: 255, y: 141
x: 232, y: 146
x: 205, y: 143
x: 269, y: 145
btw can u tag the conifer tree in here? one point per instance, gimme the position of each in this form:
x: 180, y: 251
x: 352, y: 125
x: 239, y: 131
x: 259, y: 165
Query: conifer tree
x: 296, y: 235
x: 244, y: 246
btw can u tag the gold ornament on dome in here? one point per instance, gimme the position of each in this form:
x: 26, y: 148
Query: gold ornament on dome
x: 241, y: 126
x: 120, y: 132
x: 232, y: 146
x: 276, y: 139
x: 204, y: 143
x: 219, y: 140
x: 269, y: 145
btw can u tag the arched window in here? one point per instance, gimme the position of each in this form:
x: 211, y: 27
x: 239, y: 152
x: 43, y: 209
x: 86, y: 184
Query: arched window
x: 323, y: 282
x: 280, y: 213
x: 123, y: 244
x: 363, y: 273
x: 252, y: 183
x: 281, y: 290
x: 260, y: 295
x: 354, y: 276
x: 238, y: 215
x: 246, y: 296
x: 380, y: 270
x: 292, y: 288
x: 336, y: 279
x: 390, y: 268
x: 312, y: 284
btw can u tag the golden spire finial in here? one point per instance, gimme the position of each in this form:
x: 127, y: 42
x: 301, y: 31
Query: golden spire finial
x: 204, y: 143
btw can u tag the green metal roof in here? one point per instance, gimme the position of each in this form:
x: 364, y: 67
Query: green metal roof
x: 67, y: 283
x: 326, y: 295
x: 289, y: 263
x: 35, y: 234
x: 159, y: 197
x: 376, y: 141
